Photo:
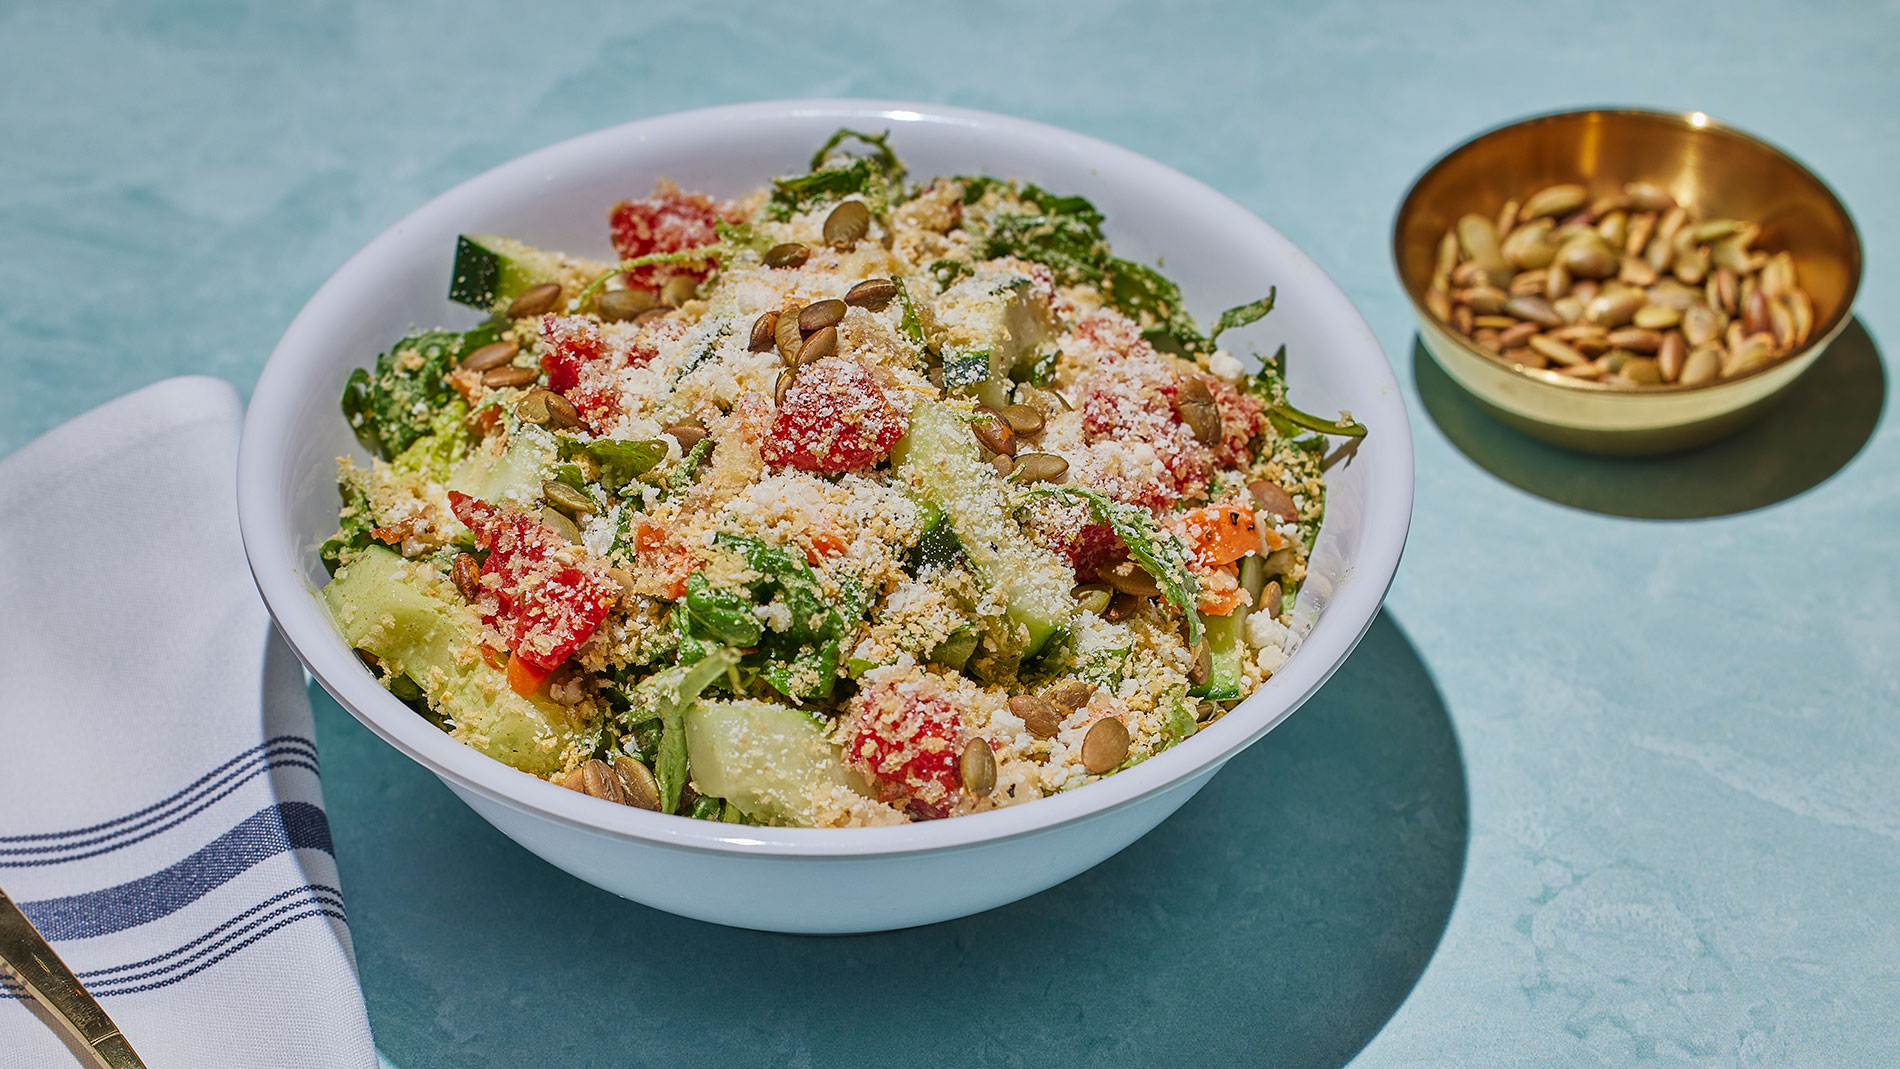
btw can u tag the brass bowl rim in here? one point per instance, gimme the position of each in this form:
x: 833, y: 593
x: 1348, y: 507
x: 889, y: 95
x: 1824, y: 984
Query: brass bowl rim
x: 1699, y: 121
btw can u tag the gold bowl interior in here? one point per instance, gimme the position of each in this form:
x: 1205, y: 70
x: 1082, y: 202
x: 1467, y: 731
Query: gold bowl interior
x: 1715, y: 172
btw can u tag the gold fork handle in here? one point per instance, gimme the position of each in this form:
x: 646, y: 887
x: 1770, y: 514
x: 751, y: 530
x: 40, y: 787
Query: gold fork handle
x: 28, y: 955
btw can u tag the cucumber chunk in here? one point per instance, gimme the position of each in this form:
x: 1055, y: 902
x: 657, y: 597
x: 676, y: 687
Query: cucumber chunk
x: 1226, y: 645
x: 986, y: 323
x: 772, y: 762
x: 490, y: 271
x: 417, y: 630
x: 515, y: 474
x: 940, y: 461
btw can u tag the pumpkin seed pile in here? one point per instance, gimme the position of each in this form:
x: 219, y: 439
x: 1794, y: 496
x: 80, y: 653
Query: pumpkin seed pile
x: 1631, y: 290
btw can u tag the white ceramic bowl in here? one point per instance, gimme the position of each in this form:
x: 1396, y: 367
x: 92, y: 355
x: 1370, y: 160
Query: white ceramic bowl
x: 821, y: 880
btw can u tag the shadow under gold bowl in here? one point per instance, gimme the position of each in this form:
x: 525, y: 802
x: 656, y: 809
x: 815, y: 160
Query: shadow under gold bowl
x: 1715, y: 172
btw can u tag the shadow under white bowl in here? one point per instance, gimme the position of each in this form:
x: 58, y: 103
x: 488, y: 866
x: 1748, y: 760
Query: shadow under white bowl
x: 800, y: 879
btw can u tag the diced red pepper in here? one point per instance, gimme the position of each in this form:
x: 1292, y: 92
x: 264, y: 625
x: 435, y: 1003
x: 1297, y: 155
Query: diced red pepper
x: 543, y: 605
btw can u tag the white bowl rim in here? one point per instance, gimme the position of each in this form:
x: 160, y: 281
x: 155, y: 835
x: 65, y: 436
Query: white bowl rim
x: 310, y: 632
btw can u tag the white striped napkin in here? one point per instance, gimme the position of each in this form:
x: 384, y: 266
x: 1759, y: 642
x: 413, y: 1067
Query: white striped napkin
x: 161, y: 820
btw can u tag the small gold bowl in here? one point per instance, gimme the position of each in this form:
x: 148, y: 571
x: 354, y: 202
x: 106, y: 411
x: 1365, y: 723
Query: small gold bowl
x: 1715, y: 172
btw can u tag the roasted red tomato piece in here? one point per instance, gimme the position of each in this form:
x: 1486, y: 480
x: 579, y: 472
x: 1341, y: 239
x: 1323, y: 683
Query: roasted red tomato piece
x: 543, y: 603
x: 835, y: 419
x: 905, y: 737
x: 667, y: 221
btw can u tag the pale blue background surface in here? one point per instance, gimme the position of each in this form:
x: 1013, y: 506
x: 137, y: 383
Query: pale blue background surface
x: 1596, y: 790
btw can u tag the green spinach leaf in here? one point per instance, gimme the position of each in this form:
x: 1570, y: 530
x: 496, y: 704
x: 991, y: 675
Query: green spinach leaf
x: 392, y: 406
x: 1161, y: 554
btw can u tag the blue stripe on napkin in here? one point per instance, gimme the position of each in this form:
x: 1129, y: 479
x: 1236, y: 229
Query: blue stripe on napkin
x: 238, y: 771
x: 263, y: 835
x: 267, y: 744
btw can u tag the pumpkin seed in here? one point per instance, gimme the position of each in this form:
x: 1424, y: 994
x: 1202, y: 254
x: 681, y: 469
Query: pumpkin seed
x: 1554, y: 200
x: 1129, y: 577
x: 786, y: 336
x: 1648, y: 196
x: 1702, y: 365
x: 1635, y: 272
x: 599, y: 781
x: 1755, y: 313
x: 618, y: 306
x: 1777, y: 276
x: 1587, y: 256
x: 1643, y: 371
x: 1714, y: 230
x: 1105, y: 746
x: 492, y: 355
x: 1039, y: 715
x: 1491, y: 324
x: 678, y: 290
x: 1569, y: 309
x: 1195, y: 405
x: 1273, y: 499
x: 1461, y: 318
x: 1528, y: 247
x: 534, y: 408
x: 977, y: 768
x: 1642, y: 225
x: 1636, y: 340
x: 687, y: 435
x: 1004, y: 464
x: 1556, y: 351
x: 556, y: 521
x: 781, y: 386
x: 1041, y: 468
x: 1670, y: 355
x: 1070, y: 694
x: 1613, y: 309
x: 1755, y: 351
x: 847, y: 223
x: 638, y: 788
x: 1781, y: 321
x: 1447, y: 254
x: 818, y: 315
x: 652, y: 314
x: 871, y: 294
x: 1202, y: 669
x: 567, y: 499
x: 1701, y: 324
x: 1614, y: 228
x: 994, y: 434
x: 1121, y: 607
x: 764, y: 332
x: 1507, y: 217
x: 1528, y: 283
x: 1533, y: 309
x: 534, y: 300
x: 1484, y: 300
x: 789, y: 254
x: 1439, y: 305
x: 1272, y: 598
x: 496, y: 378
x: 1092, y: 597
x: 562, y: 415
x: 466, y: 573
x: 1023, y: 419
x: 1557, y: 281
x: 820, y: 346
x: 1801, y: 313
x: 1512, y: 337
x: 1656, y: 317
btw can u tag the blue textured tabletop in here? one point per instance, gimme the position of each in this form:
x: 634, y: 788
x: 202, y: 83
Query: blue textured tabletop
x: 1614, y: 780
